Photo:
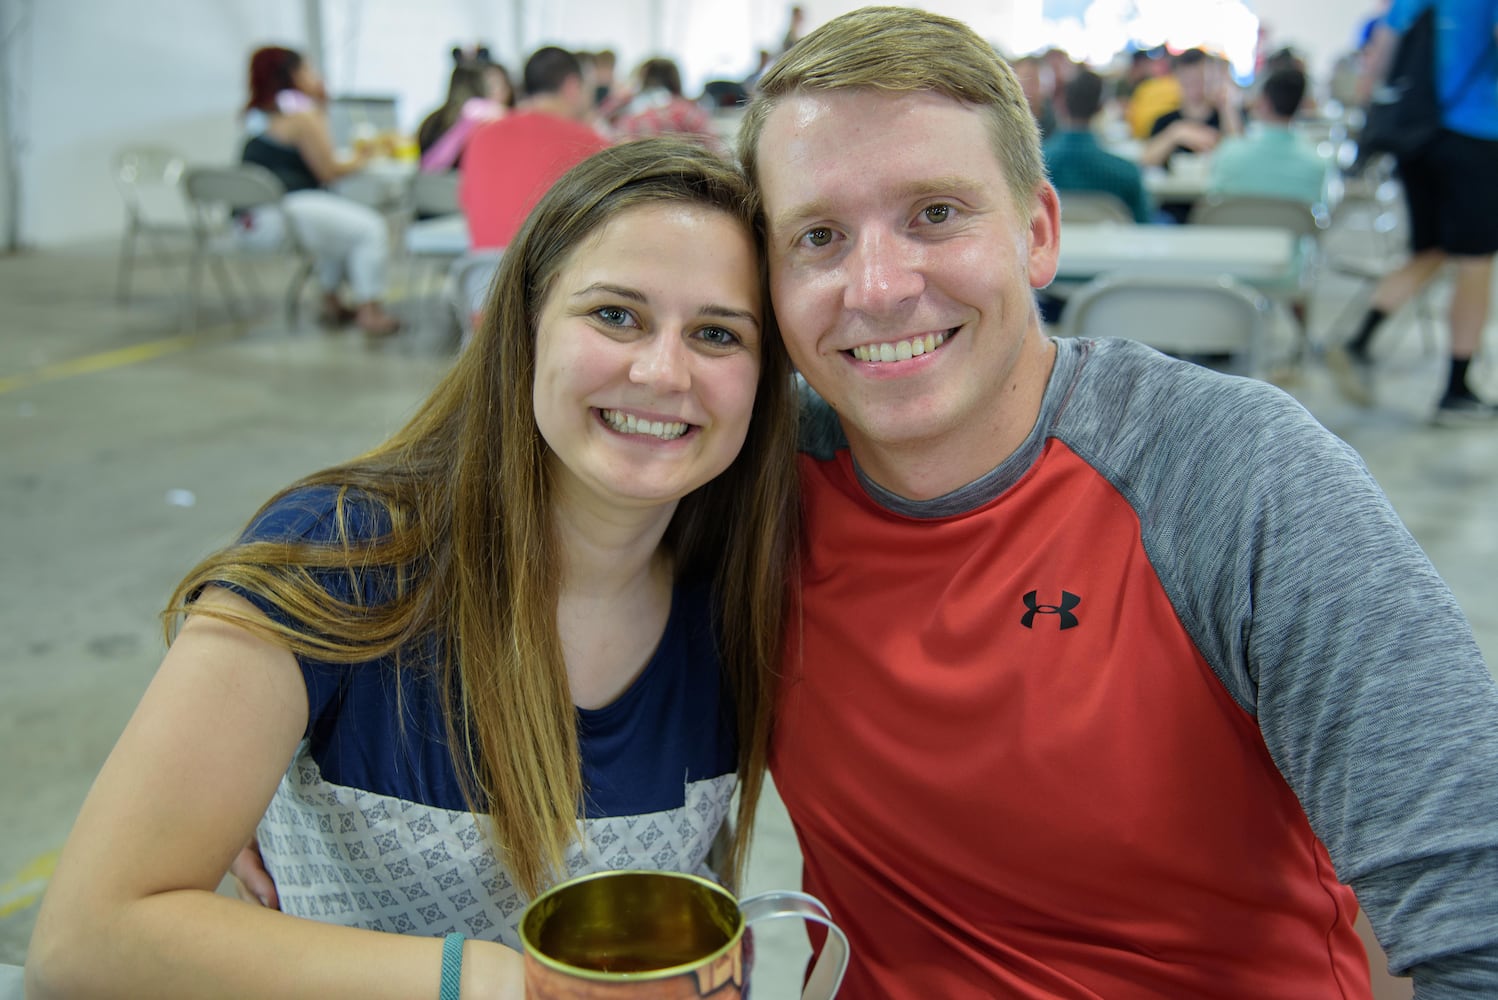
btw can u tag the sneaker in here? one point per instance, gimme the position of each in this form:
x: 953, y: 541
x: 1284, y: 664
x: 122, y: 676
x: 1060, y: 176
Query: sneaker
x: 1352, y: 373
x: 1463, y: 410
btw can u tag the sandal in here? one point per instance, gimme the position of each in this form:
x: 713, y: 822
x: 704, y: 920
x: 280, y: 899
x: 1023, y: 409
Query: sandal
x: 376, y: 322
x: 335, y: 314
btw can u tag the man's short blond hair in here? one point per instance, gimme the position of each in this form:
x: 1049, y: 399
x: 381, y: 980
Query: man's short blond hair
x: 901, y: 50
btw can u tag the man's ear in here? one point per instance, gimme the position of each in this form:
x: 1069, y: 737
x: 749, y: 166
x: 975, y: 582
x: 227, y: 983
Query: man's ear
x: 1044, y: 235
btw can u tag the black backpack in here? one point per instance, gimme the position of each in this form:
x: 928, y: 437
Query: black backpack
x: 1404, y: 113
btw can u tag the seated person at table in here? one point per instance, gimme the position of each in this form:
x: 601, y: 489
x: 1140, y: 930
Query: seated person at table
x: 530, y: 636
x: 1141, y: 68
x: 1151, y: 96
x: 1206, y: 114
x: 658, y: 108
x: 1037, y: 83
x: 477, y: 92
x: 510, y: 163
x: 1270, y: 159
x: 286, y: 132
x: 1075, y: 160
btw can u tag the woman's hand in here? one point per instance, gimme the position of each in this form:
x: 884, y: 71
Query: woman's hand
x: 252, y: 883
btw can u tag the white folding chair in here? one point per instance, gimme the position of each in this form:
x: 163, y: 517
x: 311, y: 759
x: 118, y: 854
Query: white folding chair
x: 436, y: 232
x: 469, y: 279
x: 149, y: 180
x: 1186, y: 315
x: 215, y: 195
x: 1094, y: 207
x: 1309, y: 222
x: 1301, y: 218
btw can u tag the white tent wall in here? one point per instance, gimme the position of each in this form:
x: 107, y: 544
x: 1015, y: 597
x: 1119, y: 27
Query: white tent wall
x: 96, y: 75
x: 82, y: 78
x: 1322, y: 32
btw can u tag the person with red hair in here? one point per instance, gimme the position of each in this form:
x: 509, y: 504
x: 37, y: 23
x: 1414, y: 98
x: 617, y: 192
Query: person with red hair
x: 287, y: 132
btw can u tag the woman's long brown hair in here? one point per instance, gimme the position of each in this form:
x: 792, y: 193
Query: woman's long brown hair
x: 470, y: 558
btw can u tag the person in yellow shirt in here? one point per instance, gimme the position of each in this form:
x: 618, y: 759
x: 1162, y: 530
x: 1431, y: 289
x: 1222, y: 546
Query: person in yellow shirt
x: 1151, y: 98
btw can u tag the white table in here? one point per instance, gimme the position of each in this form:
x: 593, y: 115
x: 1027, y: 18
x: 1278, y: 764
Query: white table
x: 1175, y: 185
x: 381, y: 183
x: 1265, y: 258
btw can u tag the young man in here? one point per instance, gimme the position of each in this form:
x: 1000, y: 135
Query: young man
x: 1110, y: 670
x: 1452, y: 198
x: 510, y: 162
x: 1076, y: 161
x: 1207, y: 113
x: 1271, y: 160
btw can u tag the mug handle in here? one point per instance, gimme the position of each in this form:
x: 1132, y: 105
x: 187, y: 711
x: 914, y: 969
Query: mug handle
x: 827, y: 975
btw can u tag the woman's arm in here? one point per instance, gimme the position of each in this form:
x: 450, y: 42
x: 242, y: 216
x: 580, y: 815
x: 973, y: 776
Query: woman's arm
x: 132, y: 909
x: 308, y: 132
x: 1194, y: 136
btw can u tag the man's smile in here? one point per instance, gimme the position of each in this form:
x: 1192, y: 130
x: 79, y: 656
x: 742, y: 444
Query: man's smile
x: 901, y: 350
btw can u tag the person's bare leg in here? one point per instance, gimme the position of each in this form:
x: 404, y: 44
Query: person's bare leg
x: 1471, y: 296
x: 1350, y: 363
x: 1400, y: 285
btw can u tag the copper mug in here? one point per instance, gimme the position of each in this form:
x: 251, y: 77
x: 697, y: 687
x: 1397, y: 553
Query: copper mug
x: 633, y: 935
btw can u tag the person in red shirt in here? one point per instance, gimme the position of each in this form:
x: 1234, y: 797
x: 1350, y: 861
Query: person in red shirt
x: 511, y: 162
x: 1112, y: 677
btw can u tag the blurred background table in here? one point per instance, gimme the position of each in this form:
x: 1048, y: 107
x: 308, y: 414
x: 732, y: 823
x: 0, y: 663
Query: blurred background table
x: 1264, y: 258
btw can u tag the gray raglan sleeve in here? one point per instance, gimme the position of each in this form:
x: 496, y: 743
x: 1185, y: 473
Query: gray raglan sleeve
x: 1326, y: 621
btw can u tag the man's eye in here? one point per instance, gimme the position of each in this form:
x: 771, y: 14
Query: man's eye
x: 819, y: 237
x: 937, y: 213
x: 613, y: 315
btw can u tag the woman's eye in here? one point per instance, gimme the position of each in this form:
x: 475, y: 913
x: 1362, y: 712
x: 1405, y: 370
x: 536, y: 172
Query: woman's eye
x: 719, y: 336
x: 613, y: 315
x: 937, y: 213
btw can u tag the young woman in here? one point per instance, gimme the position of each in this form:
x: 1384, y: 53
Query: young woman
x: 286, y: 131
x: 477, y: 92
x: 529, y: 636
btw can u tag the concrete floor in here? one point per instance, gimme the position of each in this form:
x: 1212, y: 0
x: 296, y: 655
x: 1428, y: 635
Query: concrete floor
x: 127, y: 452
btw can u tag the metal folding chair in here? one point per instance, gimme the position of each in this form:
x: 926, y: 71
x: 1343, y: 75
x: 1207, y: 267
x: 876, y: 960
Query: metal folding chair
x: 468, y: 284
x: 1309, y: 222
x: 215, y: 196
x: 1094, y: 206
x: 1189, y: 316
x: 149, y: 180
x: 436, y: 233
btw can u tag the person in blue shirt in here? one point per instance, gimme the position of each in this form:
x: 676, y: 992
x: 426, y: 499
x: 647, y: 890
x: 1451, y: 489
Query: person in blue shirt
x: 1451, y: 189
x: 530, y: 636
x: 1270, y: 159
x: 1076, y: 161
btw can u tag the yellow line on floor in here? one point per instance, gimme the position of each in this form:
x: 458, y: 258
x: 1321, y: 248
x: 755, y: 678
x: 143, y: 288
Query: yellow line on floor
x: 25, y: 887
x: 103, y: 361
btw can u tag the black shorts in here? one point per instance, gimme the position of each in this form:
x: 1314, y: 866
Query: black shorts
x: 1452, y: 192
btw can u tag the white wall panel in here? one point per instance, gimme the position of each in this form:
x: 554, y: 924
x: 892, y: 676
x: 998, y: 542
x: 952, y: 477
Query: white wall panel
x: 105, y: 74
x: 402, y: 48
x: 1320, y: 31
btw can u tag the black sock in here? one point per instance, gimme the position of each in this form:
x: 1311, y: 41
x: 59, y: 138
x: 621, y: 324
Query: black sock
x: 1458, y: 384
x: 1371, y: 319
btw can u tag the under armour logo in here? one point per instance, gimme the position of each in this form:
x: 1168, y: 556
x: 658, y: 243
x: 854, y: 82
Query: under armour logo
x: 1064, y: 609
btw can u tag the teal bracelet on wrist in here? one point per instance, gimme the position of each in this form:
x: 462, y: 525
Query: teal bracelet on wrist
x: 452, y: 967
